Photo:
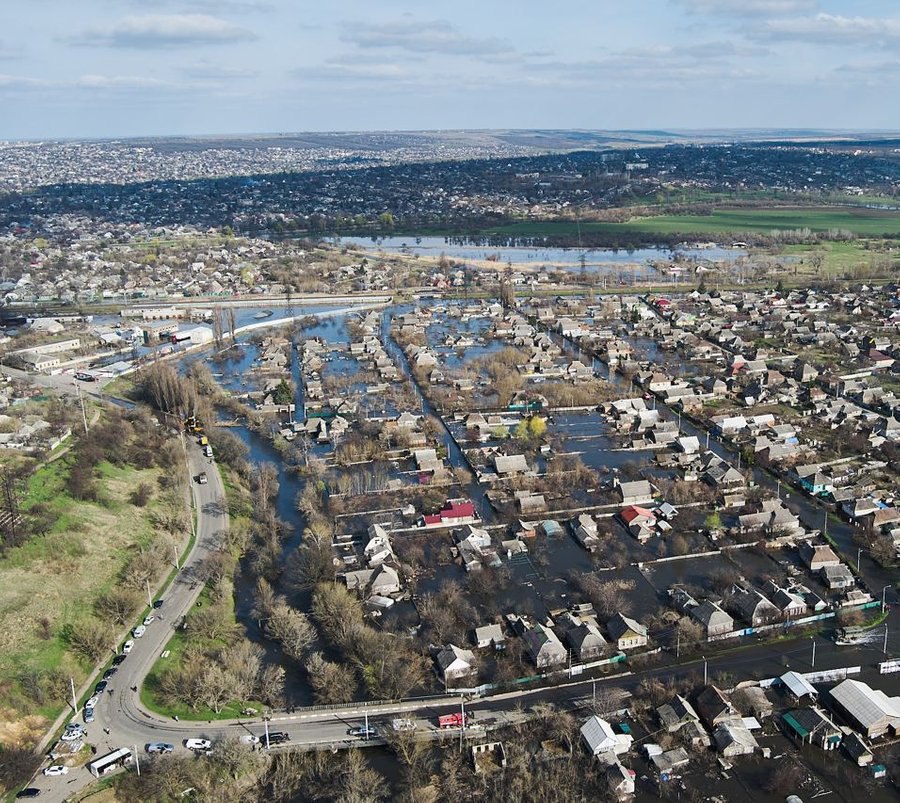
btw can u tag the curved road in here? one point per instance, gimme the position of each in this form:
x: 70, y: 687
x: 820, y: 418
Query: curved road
x: 131, y: 725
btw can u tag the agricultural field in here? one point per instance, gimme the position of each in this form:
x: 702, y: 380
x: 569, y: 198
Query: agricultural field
x: 865, y: 222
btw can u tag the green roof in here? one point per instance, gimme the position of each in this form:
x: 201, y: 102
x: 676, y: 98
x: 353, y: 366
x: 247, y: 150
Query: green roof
x: 795, y: 726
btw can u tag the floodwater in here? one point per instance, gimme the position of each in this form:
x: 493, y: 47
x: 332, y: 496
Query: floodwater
x: 600, y: 260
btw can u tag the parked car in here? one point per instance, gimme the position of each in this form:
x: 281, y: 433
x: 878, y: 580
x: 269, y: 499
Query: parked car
x: 149, y: 619
x: 158, y: 604
x: 92, y: 702
x: 57, y: 769
x: 278, y: 737
x: 88, y: 715
x: 202, y: 478
x: 100, y: 687
x: 139, y: 631
x: 117, y: 661
x: 73, y: 732
x: 28, y: 791
x: 127, y: 647
x: 160, y: 747
x: 110, y: 672
x: 249, y: 738
x: 197, y: 744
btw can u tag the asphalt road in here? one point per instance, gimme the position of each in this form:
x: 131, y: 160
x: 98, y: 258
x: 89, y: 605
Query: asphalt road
x: 119, y: 708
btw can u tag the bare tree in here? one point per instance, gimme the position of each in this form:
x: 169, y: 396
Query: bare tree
x: 290, y: 628
x: 90, y: 638
x: 117, y: 605
x: 331, y: 682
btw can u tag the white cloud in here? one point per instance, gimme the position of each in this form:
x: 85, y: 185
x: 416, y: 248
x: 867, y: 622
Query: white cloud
x: 412, y: 36
x: 205, y: 71
x: 165, y: 31
x: 831, y: 29
x: 747, y: 8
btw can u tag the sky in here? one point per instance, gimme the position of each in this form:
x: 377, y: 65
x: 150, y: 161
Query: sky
x: 120, y: 68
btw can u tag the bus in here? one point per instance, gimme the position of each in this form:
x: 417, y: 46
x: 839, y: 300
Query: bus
x: 109, y: 762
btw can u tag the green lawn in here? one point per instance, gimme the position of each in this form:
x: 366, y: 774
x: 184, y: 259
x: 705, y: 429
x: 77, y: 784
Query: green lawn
x: 871, y: 222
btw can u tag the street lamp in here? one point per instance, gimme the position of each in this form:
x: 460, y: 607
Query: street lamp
x: 884, y: 597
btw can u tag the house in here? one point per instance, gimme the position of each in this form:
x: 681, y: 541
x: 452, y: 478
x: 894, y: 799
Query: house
x: 582, y: 635
x: 427, y: 460
x: 798, y: 686
x: 755, y: 702
x: 640, y: 521
x: 715, y: 708
x: 812, y: 726
x: 620, y: 781
x: 712, y: 618
x: 585, y: 530
x: 854, y: 746
x: 636, y: 493
x: 677, y: 713
x: 733, y: 739
x: 773, y: 517
x: 818, y: 556
x: 454, y: 664
x: 870, y: 710
x: 380, y: 581
x: 490, y: 636
x: 838, y: 578
x: 511, y: 465
x: 385, y: 581
x: 544, y: 647
x: 814, y: 480
x: 602, y: 741
x: 752, y: 607
x: 668, y: 761
x: 790, y: 604
x: 378, y: 549
x: 454, y: 513
x: 627, y: 633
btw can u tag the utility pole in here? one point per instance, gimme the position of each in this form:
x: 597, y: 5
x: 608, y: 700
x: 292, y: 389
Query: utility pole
x: 705, y: 666
x: 137, y: 761
x: 74, y: 701
x: 266, y: 722
x: 814, y: 652
x: 884, y: 648
x: 677, y: 643
x: 149, y: 598
x: 81, y: 401
x: 175, y: 553
x: 858, y: 558
x: 462, y: 729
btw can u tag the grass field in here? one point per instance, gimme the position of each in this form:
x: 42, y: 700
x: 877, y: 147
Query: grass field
x: 864, y: 222
x: 56, y: 578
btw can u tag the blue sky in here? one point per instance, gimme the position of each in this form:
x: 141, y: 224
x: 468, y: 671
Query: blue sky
x: 94, y: 68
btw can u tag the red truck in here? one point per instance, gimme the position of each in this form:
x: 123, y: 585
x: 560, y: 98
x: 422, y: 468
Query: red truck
x: 453, y: 721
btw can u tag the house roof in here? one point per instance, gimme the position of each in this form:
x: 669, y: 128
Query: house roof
x: 621, y: 625
x: 868, y: 706
x: 633, y: 512
x: 598, y: 734
x: 798, y: 685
